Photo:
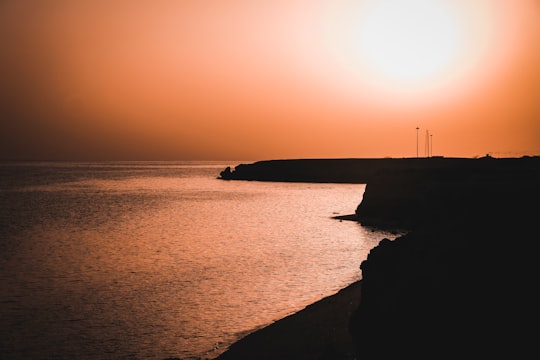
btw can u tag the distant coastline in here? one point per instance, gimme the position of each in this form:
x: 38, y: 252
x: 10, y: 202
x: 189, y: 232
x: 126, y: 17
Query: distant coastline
x: 357, y: 170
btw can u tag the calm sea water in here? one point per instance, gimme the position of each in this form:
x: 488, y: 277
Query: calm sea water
x: 149, y: 260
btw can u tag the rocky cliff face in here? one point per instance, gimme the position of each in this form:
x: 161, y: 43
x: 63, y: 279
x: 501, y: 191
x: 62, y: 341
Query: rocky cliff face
x: 461, y: 282
x: 423, y: 196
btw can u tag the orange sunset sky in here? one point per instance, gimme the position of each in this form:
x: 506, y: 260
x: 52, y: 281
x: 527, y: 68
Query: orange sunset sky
x: 252, y: 80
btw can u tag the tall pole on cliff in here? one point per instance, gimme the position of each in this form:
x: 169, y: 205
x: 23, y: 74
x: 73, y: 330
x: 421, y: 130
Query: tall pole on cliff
x: 427, y: 143
x: 417, y: 128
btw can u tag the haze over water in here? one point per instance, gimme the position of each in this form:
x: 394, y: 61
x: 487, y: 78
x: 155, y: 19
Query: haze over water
x: 149, y: 260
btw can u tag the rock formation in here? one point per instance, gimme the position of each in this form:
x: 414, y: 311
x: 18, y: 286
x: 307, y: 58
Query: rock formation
x: 461, y: 282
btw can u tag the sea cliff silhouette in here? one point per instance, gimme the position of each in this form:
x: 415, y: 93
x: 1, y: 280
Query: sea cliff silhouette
x: 461, y: 282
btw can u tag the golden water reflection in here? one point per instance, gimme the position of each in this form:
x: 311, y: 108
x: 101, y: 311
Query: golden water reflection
x: 155, y: 267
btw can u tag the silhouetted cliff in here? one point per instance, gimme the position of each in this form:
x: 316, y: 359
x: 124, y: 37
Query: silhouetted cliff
x: 355, y: 171
x: 484, y: 188
x: 461, y: 283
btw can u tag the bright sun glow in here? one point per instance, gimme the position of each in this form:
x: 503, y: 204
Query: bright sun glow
x: 411, y: 48
x: 409, y: 41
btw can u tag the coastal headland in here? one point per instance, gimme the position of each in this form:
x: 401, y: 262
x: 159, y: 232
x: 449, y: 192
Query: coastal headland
x: 460, y: 283
x: 361, y: 170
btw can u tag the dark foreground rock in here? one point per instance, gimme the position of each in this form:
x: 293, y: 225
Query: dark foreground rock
x: 423, y: 299
x: 460, y: 283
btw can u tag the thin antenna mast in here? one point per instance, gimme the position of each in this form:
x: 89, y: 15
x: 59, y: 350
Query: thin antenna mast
x: 426, y: 146
x: 417, y: 128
